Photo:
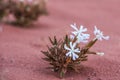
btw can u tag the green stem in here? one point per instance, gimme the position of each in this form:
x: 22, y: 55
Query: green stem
x: 61, y: 74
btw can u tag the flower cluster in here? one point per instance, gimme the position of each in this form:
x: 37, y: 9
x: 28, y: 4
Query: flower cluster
x: 82, y: 37
x: 66, y: 53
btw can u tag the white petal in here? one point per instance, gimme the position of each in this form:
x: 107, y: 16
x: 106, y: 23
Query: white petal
x: 65, y: 47
x: 74, y: 26
x: 74, y: 45
x: 77, y: 50
x: 71, y: 45
x: 75, y: 33
x: 99, y: 37
x: 106, y: 37
x: 75, y: 56
x: 83, y: 38
x: 96, y: 30
x: 84, y: 30
x: 81, y: 27
x: 86, y: 36
x: 79, y: 39
x: 68, y: 54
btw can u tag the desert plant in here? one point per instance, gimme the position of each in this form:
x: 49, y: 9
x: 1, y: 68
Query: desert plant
x: 3, y: 9
x: 25, y: 12
x: 66, y: 54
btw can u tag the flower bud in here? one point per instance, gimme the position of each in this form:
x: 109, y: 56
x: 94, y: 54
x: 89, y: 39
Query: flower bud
x: 100, y: 53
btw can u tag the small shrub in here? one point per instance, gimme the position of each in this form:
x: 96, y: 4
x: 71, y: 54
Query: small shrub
x: 67, y: 53
x: 23, y: 12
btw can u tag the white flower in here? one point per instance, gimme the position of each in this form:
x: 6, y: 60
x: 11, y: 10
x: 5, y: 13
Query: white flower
x: 83, y: 38
x: 79, y: 33
x: 72, y: 51
x: 99, y: 35
x: 100, y: 53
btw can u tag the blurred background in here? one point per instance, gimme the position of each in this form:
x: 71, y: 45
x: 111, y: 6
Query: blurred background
x: 20, y: 56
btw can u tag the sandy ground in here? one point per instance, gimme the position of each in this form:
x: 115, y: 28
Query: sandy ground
x: 20, y: 56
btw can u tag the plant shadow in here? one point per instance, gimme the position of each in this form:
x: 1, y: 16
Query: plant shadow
x: 84, y: 71
x: 34, y: 25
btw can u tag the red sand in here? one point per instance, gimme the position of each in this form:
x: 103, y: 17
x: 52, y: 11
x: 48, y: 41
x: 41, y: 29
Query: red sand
x: 20, y: 56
